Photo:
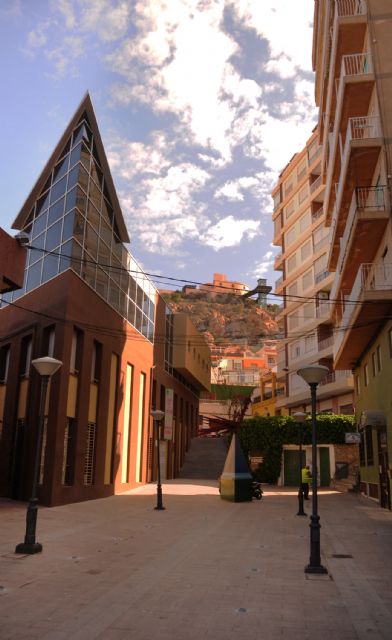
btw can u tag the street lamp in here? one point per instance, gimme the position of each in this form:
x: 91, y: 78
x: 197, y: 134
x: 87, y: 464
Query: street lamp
x: 46, y: 367
x: 313, y: 374
x: 158, y: 415
x: 300, y: 418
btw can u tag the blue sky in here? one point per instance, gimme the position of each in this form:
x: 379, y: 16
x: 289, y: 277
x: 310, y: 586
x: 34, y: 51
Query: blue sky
x: 200, y: 104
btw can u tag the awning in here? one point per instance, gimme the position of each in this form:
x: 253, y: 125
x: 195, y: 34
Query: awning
x: 372, y: 418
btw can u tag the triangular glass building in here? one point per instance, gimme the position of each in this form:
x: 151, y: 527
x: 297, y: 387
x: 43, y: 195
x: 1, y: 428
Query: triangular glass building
x: 74, y: 221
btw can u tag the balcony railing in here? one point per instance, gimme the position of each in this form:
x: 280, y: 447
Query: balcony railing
x: 323, y: 310
x: 324, y: 344
x: 347, y: 8
x: 357, y: 64
x: 336, y: 376
x: 317, y: 214
x: 362, y: 128
x: 370, y: 278
x: 278, y: 282
x: 371, y: 197
x: 319, y: 277
x: 321, y: 243
x: 315, y: 185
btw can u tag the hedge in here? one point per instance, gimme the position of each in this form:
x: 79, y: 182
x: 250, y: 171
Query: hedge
x: 267, y: 435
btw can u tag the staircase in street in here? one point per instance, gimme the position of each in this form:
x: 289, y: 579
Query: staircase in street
x: 205, y: 459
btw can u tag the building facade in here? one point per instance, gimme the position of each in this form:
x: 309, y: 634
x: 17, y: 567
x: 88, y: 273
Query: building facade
x: 352, y: 58
x: 305, y: 285
x: 85, y: 301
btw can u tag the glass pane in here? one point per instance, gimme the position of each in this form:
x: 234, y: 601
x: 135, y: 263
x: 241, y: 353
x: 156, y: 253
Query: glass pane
x: 68, y: 226
x: 101, y: 284
x: 42, y: 204
x: 93, y: 216
x: 114, y: 293
x: 144, y: 326
x: 146, y: 305
x: 131, y: 312
x: 40, y: 224
x: 139, y: 296
x: 106, y: 233
x: 70, y: 201
x: 123, y: 304
x: 85, y: 157
x: 34, y: 276
x: 33, y: 256
x: 53, y: 236
x: 65, y: 260
x: 75, y: 155
x: 58, y: 189
x: 88, y: 270
x: 39, y: 242
x: 50, y: 267
x: 79, y: 227
x: 115, y: 272
x: 73, y: 177
x: 61, y: 169
x: 95, y: 195
x: 138, y: 322
x: 81, y: 134
x: 96, y: 173
x: 107, y: 212
x: 77, y: 257
x: 132, y: 288
x: 91, y: 241
x: 152, y: 311
x: 81, y: 200
x: 56, y: 211
x: 103, y: 254
x: 83, y: 178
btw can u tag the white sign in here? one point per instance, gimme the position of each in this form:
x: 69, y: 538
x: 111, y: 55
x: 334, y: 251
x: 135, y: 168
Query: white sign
x: 352, y: 438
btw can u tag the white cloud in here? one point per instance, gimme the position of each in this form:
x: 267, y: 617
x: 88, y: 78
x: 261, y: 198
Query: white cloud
x: 263, y: 267
x: 129, y: 159
x: 65, y: 7
x: 108, y: 19
x: 230, y: 232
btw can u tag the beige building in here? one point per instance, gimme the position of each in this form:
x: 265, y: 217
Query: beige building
x: 305, y: 285
x: 352, y: 58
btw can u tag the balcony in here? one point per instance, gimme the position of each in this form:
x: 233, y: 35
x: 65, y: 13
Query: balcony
x: 360, y: 234
x: 347, y: 37
x: 316, y: 189
x: 278, y: 283
x: 360, y: 154
x: 316, y: 215
x: 325, y: 344
x: 364, y: 311
x: 335, y: 383
x: 278, y: 262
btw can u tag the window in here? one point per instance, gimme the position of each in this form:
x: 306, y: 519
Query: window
x: 362, y: 457
x: 4, y: 363
x: 358, y: 385
x: 76, y: 351
x: 301, y: 170
x: 366, y: 374
x: 289, y: 209
x: 67, y: 476
x: 369, y: 446
x: 290, y: 236
x: 295, y: 350
x: 376, y: 361
x: 291, y: 263
x: 90, y: 454
x: 288, y: 187
x: 306, y: 250
x: 25, y: 357
x: 309, y: 343
x: 307, y: 280
x: 292, y: 290
x: 305, y: 221
x: 303, y: 194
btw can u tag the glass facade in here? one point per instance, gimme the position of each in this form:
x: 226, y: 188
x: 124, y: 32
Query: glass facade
x: 72, y: 226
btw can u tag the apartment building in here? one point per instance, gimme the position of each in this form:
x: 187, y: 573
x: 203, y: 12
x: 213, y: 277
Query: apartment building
x: 270, y: 391
x: 305, y: 285
x: 84, y: 300
x: 352, y: 58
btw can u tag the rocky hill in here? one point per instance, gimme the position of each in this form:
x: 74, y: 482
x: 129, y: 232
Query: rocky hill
x: 225, y: 319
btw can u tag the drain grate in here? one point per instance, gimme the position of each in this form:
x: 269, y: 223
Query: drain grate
x: 341, y: 555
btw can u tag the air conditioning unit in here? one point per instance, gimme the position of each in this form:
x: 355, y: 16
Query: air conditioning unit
x: 323, y: 295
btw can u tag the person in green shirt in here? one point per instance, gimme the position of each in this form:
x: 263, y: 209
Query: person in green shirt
x: 306, y: 477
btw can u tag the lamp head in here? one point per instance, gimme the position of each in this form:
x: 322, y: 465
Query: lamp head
x: 46, y: 366
x: 157, y: 414
x: 313, y: 373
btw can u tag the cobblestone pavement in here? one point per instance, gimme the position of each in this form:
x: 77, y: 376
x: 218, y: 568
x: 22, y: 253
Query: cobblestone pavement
x: 202, y: 569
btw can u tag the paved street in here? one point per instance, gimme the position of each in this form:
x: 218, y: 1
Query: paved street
x: 203, y: 568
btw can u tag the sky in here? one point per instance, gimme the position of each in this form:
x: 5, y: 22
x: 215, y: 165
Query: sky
x: 200, y: 105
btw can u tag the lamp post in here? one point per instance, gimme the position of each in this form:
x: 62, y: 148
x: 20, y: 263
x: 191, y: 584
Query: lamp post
x: 313, y: 374
x: 158, y: 415
x: 46, y: 367
x: 300, y: 418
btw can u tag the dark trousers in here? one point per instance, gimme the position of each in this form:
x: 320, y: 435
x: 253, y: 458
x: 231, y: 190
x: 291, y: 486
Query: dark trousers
x: 305, y: 489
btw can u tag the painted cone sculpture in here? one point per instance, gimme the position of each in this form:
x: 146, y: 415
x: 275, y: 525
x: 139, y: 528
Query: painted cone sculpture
x: 236, y: 479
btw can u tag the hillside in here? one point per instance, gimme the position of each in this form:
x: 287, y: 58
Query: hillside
x: 226, y: 320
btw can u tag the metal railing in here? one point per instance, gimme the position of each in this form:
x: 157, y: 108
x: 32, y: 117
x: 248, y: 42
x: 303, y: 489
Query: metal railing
x: 319, y: 277
x: 324, y: 344
x: 356, y: 64
x: 317, y: 214
x: 371, y: 197
x: 336, y: 376
x: 315, y: 185
x: 347, y: 8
